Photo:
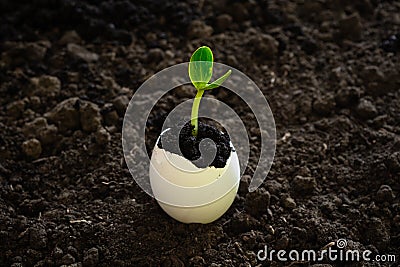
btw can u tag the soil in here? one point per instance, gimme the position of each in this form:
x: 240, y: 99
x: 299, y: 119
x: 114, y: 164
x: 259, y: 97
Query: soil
x: 189, y: 145
x: 330, y: 70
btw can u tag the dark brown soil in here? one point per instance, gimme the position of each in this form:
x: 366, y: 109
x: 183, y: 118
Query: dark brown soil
x: 330, y: 70
x: 189, y: 145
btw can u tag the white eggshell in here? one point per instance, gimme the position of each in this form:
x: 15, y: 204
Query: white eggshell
x: 190, y: 194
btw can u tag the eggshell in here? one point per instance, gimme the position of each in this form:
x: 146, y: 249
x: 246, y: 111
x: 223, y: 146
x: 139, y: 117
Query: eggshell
x: 190, y: 194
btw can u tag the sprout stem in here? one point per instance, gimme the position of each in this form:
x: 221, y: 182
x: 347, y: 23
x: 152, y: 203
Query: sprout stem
x: 200, y: 72
x: 195, y: 111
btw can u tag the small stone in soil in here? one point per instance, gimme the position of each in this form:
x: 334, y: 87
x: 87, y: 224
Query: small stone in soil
x: 39, y: 129
x: 288, y: 202
x: 90, y: 116
x: 32, y: 148
x: 102, y: 137
x: 273, y: 186
x: 66, y: 114
x: 16, y: 108
x: 302, y: 184
x: 366, y: 110
x: 80, y: 52
x: 46, y: 85
x: 48, y: 135
x: 385, y: 194
x: 257, y: 202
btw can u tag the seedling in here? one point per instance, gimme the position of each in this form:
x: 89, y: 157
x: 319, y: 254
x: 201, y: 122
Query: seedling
x: 200, y: 72
x: 186, y: 192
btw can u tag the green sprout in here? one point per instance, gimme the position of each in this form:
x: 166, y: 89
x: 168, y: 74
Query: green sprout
x: 200, y: 72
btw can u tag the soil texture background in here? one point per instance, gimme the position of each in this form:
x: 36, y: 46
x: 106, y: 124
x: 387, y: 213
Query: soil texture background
x: 330, y: 70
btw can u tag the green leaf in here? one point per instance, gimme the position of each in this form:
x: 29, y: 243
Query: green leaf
x: 200, y: 67
x: 218, y: 81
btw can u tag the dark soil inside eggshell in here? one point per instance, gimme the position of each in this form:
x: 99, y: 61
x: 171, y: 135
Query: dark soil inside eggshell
x: 189, y: 145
